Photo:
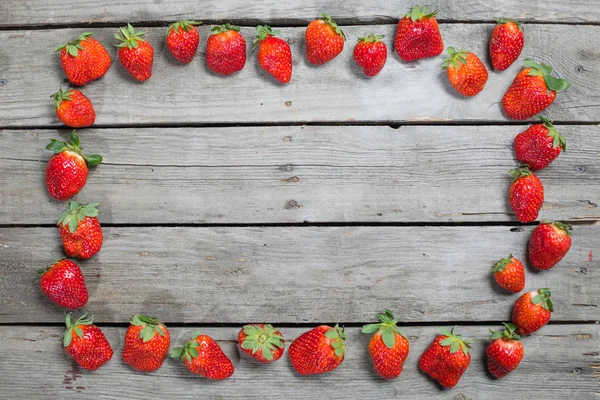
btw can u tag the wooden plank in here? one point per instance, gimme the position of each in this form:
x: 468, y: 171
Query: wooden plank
x: 335, y: 92
x: 297, y: 274
x: 561, y: 362
x: 333, y: 174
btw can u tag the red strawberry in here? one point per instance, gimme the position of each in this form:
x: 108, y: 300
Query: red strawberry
x: 532, y: 91
x: 465, y: 72
x: 324, y: 40
x: 505, y: 352
x: 319, y: 350
x: 370, y: 54
x: 446, y: 359
x: 549, y: 243
x: 183, y: 39
x: 84, y: 59
x: 263, y: 342
x: 86, y: 343
x: 80, y: 230
x: 532, y: 311
x: 226, y: 50
x: 146, y: 344
x: 418, y: 35
x: 539, y: 145
x: 64, y: 285
x: 526, y: 194
x: 274, y: 54
x: 203, y: 356
x: 135, y: 53
x: 73, y: 109
x: 506, y: 43
x: 510, y: 274
x: 388, y: 347
x: 67, y: 170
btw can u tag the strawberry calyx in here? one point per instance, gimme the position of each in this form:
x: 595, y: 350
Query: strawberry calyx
x: 224, y: 28
x: 387, y: 327
x: 566, y: 228
x: 129, y: 37
x: 455, y: 342
x: 502, y: 264
x: 73, y: 327
x: 263, y: 32
x: 151, y: 326
x: 42, y: 271
x: 418, y: 13
x: 184, y: 24
x: 509, y: 333
x: 557, y: 138
x: 371, y: 39
x: 264, y: 338
x: 521, y: 172
x: 72, y: 48
x: 543, y: 298
x: 61, y: 96
x: 545, y: 71
x: 455, y: 58
x: 337, y: 337
x: 75, y: 213
x: 56, y: 146
x: 504, y: 21
x: 189, y: 351
x: 334, y: 25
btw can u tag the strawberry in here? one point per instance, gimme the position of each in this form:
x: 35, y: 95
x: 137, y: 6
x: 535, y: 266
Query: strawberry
x: 67, y: 170
x: 86, y: 343
x: 324, y: 40
x: 263, y: 342
x: 418, y: 35
x: 532, y: 91
x: 135, y: 53
x: 532, y: 311
x: 505, y: 352
x: 510, y: 274
x: 465, y: 72
x: 64, y: 285
x: 506, y: 43
x: 388, y: 347
x: 549, y: 243
x: 84, y: 59
x: 274, y: 54
x: 370, y: 53
x: 319, y: 350
x: 183, y: 39
x: 73, y: 109
x: 539, y: 144
x: 203, y: 356
x: 446, y: 359
x: 80, y: 230
x: 226, y: 50
x: 526, y: 194
x: 146, y: 344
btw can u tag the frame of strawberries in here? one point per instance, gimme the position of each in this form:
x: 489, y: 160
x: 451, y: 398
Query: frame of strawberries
x: 322, y: 349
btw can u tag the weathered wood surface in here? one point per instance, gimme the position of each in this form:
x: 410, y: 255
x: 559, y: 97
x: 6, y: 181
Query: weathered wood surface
x: 335, y: 92
x: 40, y: 12
x: 333, y: 174
x: 297, y: 274
x: 564, y: 358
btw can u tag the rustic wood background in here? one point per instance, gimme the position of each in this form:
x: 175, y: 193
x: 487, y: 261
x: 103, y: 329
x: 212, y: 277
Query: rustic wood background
x: 233, y: 200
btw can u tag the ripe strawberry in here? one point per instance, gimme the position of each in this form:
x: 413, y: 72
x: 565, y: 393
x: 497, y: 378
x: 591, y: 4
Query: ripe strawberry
x: 64, y: 285
x: 510, y: 274
x: 446, y: 359
x: 370, y: 54
x: 506, y: 43
x: 203, y: 356
x: 226, y: 50
x: 526, y: 194
x: 135, y: 53
x: 183, y: 39
x: 418, y: 35
x: 388, y: 347
x: 146, y: 344
x: 505, y: 352
x: 549, y: 243
x: 274, y: 54
x: 86, y: 343
x: 80, y: 230
x: 73, y: 109
x: 539, y: 145
x: 263, y: 342
x: 67, y: 170
x: 324, y: 40
x: 465, y: 72
x: 84, y: 59
x: 532, y: 91
x: 532, y: 311
x: 319, y: 350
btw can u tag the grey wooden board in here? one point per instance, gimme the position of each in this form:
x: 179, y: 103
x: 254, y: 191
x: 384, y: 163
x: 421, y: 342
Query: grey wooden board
x: 333, y: 174
x: 297, y: 274
x: 39, y: 12
x: 560, y: 362
x: 335, y: 92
